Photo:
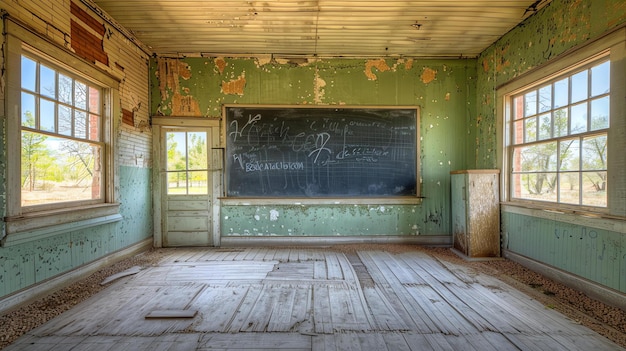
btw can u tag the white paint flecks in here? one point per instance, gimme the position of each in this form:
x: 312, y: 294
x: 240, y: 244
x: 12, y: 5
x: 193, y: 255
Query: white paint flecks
x: 257, y: 217
x: 273, y: 215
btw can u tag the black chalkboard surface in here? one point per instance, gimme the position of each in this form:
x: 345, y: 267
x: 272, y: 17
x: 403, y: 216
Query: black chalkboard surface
x: 293, y: 151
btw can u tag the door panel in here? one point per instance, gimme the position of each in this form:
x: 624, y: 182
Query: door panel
x: 186, y: 191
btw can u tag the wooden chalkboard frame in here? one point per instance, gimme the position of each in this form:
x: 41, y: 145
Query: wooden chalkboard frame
x: 412, y: 111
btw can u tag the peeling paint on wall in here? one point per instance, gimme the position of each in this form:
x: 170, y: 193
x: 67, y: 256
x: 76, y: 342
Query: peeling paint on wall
x: 319, y: 88
x: 220, y: 63
x: 169, y: 72
x: 380, y: 65
x: 235, y: 86
x: 428, y: 75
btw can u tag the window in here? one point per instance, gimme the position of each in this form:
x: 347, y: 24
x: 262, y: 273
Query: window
x: 61, y: 142
x: 60, y: 158
x: 187, y: 163
x: 559, y: 138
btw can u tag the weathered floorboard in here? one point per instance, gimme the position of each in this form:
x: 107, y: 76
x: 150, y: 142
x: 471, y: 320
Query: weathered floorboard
x: 310, y: 299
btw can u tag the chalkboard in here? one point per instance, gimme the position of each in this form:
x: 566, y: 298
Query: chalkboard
x: 291, y: 151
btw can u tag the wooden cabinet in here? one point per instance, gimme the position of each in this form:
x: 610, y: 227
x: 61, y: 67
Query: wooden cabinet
x: 476, y: 213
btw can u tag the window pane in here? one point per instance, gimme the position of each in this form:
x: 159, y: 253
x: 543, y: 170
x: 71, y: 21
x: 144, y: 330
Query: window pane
x: 538, y: 157
x: 518, y: 111
x: 569, y: 188
x: 561, y: 121
x: 561, y: 93
x: 65, y: 89
x: 59, y: 170
x: 579, y: 86
x: 518, y: 132
x: 94, y: 127
x: 545, y: 126
x: 176, y: 151
x: 538, y: 186
x: 198, y: 182
x: 29, y: 74
x: 594, y: 153
x: 47, y: 82
x: 65, y: 120
x: 579, y: 118
x: 80, y: 95
x: 594, y: 189
x: 569, y: 152
x: 600, y: 113
x: 177, y: 182
x: 545, y: 99
x: 530, y: 103
x: 197, y: 150
x: 600, y: 79
x: 28, y: 110
x: 530, y: 129
x: 46, y: 115
x: 94, y: 100
x: 80, y: 124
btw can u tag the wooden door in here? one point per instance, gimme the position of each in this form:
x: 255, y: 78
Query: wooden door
x: 187, y: 186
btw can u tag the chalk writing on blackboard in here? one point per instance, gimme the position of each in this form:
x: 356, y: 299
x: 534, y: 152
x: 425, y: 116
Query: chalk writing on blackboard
x: 289, y: 151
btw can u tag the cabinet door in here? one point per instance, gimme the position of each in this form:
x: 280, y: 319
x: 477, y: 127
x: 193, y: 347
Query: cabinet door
x: 483, y: 215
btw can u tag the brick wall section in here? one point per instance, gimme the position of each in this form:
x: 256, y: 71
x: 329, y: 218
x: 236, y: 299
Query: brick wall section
x: 86, y: 19
x: 87, y: 45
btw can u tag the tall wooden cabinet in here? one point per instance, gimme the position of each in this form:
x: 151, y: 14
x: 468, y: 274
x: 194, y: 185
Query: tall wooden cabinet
x: 476, y: 212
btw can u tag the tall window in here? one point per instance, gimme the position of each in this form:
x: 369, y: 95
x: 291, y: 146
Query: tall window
x: 61, y: 136
x: 558, y: 137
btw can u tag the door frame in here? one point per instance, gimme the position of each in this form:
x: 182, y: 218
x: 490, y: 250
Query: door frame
x: 216, y: 162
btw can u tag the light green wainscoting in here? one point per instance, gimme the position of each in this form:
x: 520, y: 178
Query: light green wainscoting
x: 326, y: 221
x: 49, y: 255
x: 593, y: 249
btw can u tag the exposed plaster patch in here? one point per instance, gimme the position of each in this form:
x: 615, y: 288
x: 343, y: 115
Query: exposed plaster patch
x: 486, y: 64
x: 428, y: 75
x: 263, y: 60
x: 220, y: 63
x: 502, y: 62
x: 379, y: 64
x: 184, y: 105
x: 319, y: 85
x: 234, y: 87
x: 273, y: 215
x: 408, y: 64
x: 169, y: 72
x: 447, y: 97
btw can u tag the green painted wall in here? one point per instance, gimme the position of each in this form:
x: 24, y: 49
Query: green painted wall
x: 443, y: 89
x: 596, y: 254
x: 561, y: 25
x: 30, y: 263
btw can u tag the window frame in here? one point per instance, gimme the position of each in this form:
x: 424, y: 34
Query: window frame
x: 101, y: 141
x: 611, y: 46
x: 28, y: 220
x: 524, y: 119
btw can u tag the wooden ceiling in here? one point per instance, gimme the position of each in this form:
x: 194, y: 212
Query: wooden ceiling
x: 347, y: 28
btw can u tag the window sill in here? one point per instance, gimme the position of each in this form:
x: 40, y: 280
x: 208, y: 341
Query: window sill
x: 597, y: 220
x: 40, y: 225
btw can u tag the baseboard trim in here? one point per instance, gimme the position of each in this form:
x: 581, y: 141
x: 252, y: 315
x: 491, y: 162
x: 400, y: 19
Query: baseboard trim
x: 592, y: 289
x: 27, y: 295
x: 427, y: 240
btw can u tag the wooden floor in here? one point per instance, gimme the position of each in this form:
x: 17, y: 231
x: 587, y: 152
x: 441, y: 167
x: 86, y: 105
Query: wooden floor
x: 309, y: 299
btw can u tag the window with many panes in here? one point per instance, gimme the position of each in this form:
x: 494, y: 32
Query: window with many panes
x: 61, y: 141
x: 558, y: 132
